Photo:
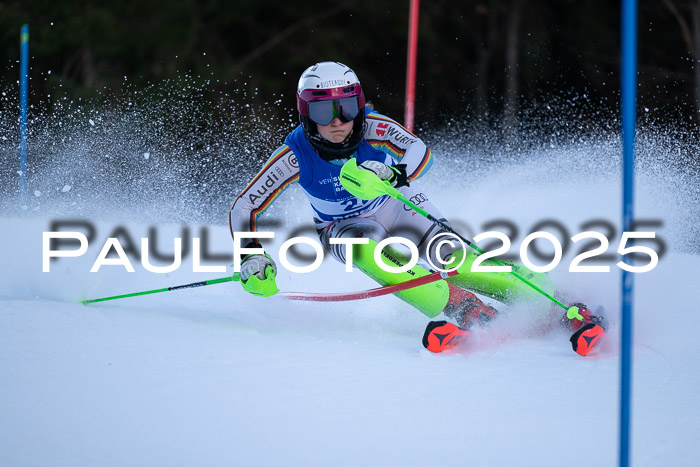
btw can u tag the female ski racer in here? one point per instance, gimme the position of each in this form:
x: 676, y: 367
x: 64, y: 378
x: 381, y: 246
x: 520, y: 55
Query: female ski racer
x: 335, y: 125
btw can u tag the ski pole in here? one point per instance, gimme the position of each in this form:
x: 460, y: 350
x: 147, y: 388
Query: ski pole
x: 304, y: 296
x: 366, y: 185
x: 166, y: 289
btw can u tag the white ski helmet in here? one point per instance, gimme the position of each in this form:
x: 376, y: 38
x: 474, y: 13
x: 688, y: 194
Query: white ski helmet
x: 329, y: 90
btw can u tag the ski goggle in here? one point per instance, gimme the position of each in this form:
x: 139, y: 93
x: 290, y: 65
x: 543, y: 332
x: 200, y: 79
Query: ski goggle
x: 323, y: 112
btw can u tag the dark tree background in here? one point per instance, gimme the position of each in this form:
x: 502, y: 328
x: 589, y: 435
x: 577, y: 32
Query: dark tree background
x: 486, y: 59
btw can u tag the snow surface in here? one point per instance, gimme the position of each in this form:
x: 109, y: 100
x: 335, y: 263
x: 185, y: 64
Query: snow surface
x: 212, y: 376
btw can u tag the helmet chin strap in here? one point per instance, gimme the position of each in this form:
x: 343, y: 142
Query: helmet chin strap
x: 328, y: 150
x: 325, y: 150
x: 352, y: 130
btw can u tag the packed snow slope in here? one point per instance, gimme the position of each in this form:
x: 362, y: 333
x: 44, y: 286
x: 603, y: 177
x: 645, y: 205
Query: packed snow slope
x: 214, y: 376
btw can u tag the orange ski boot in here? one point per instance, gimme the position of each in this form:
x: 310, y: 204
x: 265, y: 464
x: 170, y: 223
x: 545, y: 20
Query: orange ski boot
x: 587, y: 333
x: 466, y: 309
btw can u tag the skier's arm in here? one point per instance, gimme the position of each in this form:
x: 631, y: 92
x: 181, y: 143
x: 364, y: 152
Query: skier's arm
x: 257, y: 272
x: 276, y: 175
x: 403, y: 146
